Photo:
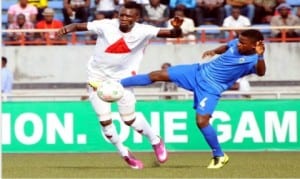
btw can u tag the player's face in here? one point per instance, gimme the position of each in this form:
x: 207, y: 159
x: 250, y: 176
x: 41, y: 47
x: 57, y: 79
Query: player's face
x: 235, y: 13
x: 3, y: 64
x: 284, y: 12
x: 21, y: 19
x: 245, y: 45
x: 48, y: 18
x: 23, y: 2
x: 127, y: 18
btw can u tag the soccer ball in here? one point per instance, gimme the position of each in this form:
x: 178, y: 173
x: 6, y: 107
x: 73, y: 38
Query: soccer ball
x: 110, y: 91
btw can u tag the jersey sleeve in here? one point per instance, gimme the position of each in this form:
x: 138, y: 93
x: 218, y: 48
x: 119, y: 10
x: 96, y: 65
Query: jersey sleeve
x: 232, y: 42
x: 252, y: 70
x: 151, y: 31
x: 97, y: 26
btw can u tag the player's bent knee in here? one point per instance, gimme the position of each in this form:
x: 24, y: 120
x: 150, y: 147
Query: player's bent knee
x: 128, y: 123
x: 128, y: 118
x: 202, y: 121
x: 127, y: 106
x: 158, y: 75
x: 105, y: 123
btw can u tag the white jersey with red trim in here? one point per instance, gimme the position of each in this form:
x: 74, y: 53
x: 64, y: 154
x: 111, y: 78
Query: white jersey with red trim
x: 117, y: 54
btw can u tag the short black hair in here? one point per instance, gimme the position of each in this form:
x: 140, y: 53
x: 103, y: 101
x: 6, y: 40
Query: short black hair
x: 133, y: 5
x: 4, y: 60
x: 167, y: 63
x: 254, y: 35
x: 236, y: 8
x: 21, y: 15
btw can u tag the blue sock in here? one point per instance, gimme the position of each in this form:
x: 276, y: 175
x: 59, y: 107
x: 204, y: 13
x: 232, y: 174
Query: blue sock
x: 211, y: 138
x: 137, y: 80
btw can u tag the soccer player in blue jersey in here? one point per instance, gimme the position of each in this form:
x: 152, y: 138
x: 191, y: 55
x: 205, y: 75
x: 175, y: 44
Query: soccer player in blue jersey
x: 238, y: 58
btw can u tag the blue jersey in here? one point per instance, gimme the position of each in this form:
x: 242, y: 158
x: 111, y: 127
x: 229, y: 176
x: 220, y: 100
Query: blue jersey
x: 220, y: 74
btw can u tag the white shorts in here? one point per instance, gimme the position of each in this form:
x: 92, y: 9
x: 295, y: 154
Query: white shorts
x: 126, y: 105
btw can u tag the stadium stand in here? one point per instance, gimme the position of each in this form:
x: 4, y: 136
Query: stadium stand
x: 263, y: 28
x: 57, y: 5
x: 293, y: 2
x: 4, y: 19
x: 6, y: 4
x: 212, y: 32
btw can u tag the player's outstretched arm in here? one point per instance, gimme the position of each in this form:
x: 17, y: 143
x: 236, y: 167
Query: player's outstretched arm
x: 260, y: 66
x: 173, y: 33
x: 71, y: 28
x: 213, y: 52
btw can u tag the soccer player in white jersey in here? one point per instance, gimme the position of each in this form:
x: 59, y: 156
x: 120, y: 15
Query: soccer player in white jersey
x: 118, y: 53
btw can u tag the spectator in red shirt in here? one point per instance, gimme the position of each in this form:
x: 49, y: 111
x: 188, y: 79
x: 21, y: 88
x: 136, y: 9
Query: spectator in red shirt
x: 48, y: 23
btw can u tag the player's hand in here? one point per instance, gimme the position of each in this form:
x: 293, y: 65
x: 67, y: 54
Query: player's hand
x: 208, y: 53
x: 61, y: 32
x: 176, y: 22
x: 260, y: 47
x: 94, y: 84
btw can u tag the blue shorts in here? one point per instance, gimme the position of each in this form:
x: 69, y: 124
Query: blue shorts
x: 187, y: 77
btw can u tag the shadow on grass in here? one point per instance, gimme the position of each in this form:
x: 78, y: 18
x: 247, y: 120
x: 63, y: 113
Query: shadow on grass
x: 87, y: 167
x: 154, y: 165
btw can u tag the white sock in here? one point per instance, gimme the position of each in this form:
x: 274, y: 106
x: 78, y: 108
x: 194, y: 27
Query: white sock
x: 143, y: 127
x: 111, y: 134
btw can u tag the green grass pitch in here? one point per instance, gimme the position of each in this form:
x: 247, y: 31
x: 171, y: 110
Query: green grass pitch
x: 179, y: 165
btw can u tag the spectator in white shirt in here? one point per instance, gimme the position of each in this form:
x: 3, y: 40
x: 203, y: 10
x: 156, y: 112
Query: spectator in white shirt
x: 106, y: 7
x: 285, y: 18
x: 236, y: 20
x: 156, y: 14
x: 142, y: 2
x: 242, y: 85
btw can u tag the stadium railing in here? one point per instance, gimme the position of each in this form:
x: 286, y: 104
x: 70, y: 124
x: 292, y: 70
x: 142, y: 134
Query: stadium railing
x: 59, y: 95
x: 202, y: 32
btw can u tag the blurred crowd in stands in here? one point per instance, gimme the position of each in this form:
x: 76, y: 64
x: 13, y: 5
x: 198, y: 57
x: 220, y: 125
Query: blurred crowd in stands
x: 53, y: 14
